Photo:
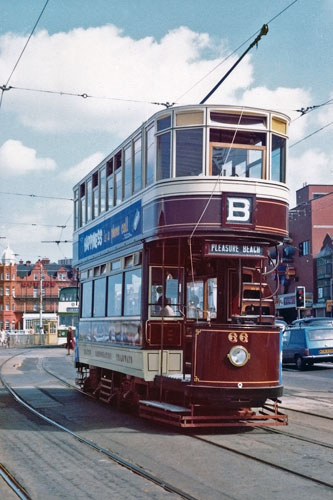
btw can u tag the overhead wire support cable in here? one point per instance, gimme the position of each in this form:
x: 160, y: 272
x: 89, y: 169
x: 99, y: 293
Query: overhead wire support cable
x: 263, y: 32
x: 5, y: 87
x: 84, y: 95
x: 310, y: 135
x: 37, y: 196
x: 234, y: 51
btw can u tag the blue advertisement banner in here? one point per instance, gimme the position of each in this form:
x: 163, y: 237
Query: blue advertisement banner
x: 118, y: 228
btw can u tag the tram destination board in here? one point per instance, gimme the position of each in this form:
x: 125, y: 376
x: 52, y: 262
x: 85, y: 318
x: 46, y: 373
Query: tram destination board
x: 227, y: 249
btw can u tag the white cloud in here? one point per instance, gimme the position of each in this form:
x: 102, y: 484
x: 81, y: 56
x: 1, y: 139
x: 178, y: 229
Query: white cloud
x: 15, y: 158
x: 313, y: 167
x: 77, y: 172
x: 102, y: 62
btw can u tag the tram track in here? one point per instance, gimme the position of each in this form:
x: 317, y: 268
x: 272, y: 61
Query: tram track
x: 13, y: 484
x: 142, y: 472
x: 265, y: 462
x: 108, y: 453
x: 243, y: 454
x: 265, y: 429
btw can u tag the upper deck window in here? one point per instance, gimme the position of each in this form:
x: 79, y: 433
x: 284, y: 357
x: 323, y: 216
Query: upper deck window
x: 163, y: 156
x: 137, y: 167
x: 189, y: 152
x: 189, y: 118
x: 164, y: 123
x: 95, y: 192
x: 103, y: 189
x: 76, y: 209
x: 249, y: 121
x: 89, y: 200
x: 118, y: 185
x: 82, y: 204
x: 278, y: 159
x: 237, y: 153
x: 109, y: 184
x: 150, y: 156
x: 128, y: 171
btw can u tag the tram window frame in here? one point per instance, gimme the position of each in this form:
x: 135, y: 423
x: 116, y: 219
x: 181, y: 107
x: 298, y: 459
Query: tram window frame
x: 246, y: 120
x: 156, y: 304
x: 95, y: 195
x: 137, y: 164
x: 230, y: 147
x: 102, y: 189
x: 128, y: 170
x: 185, y: 152
x: 118, y: 179
x: 109, y: 185
x: 278, y: 174
x: 150, y: 155
x: 89, y: 199
x: 86, y: 299
x: 83, y: 205
x: 163, y: 123
x: 99, y: 306
x: 76, y: 209
x: 137, y: 306
x: 163, y: 156
x: 113, y: 306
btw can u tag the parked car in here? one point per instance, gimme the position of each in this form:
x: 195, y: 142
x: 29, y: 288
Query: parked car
x: 281, y: 324
x: 308, y: 343
x: 310, y: 321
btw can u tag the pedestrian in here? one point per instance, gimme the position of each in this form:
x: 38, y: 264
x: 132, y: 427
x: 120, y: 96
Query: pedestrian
x: 70, y: 341
x: 2, y: 337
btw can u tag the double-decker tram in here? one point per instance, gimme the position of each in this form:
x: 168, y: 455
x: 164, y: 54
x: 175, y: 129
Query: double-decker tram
x: 172, y: 238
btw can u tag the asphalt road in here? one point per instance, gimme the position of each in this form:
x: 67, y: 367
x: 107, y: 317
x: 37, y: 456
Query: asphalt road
x: 52, y: 465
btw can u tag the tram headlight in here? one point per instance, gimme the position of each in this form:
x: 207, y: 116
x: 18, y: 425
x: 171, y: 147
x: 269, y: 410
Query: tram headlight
x: 238, y: 355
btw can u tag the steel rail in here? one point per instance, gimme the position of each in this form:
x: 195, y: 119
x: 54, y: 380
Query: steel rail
x: 326, y: 417
x: 296, y: 436
x: 13, y: 483
x: 267, y: 429
x: 113, y: 456
x: 263, y: 461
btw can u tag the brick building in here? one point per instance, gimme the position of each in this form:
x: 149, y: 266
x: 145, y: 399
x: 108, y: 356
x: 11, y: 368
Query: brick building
x: 27, y: 289
x: 309, y: 223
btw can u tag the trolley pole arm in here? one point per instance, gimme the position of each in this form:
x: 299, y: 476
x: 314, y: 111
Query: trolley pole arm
x: 263, y: 31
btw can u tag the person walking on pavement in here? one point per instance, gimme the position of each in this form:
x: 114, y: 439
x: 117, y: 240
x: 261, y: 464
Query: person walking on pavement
x: 70, y: 341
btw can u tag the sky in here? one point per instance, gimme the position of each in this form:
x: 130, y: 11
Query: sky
x: 125, y: 55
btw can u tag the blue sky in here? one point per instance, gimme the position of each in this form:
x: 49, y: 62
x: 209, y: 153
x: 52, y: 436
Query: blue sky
x: 149, y: 50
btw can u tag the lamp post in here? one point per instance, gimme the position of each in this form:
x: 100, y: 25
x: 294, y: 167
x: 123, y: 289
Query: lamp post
x: 41, y: 302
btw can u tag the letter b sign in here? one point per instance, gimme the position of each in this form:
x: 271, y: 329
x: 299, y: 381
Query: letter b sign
x: 239, y: 210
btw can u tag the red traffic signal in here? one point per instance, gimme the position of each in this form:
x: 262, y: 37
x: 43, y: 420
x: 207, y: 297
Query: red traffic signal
x: 300, y: 297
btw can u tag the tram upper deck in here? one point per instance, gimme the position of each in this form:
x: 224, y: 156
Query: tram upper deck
x: 218, y: 169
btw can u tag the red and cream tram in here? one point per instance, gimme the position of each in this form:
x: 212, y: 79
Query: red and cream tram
x: 172, y: 238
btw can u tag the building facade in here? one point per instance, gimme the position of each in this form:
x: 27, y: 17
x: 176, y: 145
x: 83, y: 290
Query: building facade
x: 309, y: 223
x: 28, y: 289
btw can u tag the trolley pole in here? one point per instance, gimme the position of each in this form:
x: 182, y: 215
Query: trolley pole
x: 263, y: 32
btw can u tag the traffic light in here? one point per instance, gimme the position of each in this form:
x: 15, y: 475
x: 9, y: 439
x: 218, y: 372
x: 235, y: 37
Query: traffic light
x: 300, y: 296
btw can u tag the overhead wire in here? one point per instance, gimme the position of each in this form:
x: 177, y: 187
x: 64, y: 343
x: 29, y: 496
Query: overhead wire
x: 22, y: 52
x: 60, y: 226
x: 235, y: 50
x: 310, y: 135
x: 84, y: 95
x: 36, y: 196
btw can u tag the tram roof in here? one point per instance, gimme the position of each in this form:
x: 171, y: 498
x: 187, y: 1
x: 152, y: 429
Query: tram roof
x: 232, y: 109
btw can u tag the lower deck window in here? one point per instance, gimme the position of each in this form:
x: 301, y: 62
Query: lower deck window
x: 115, y: 292
x: 86, y: 299
x: 132, y: 293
